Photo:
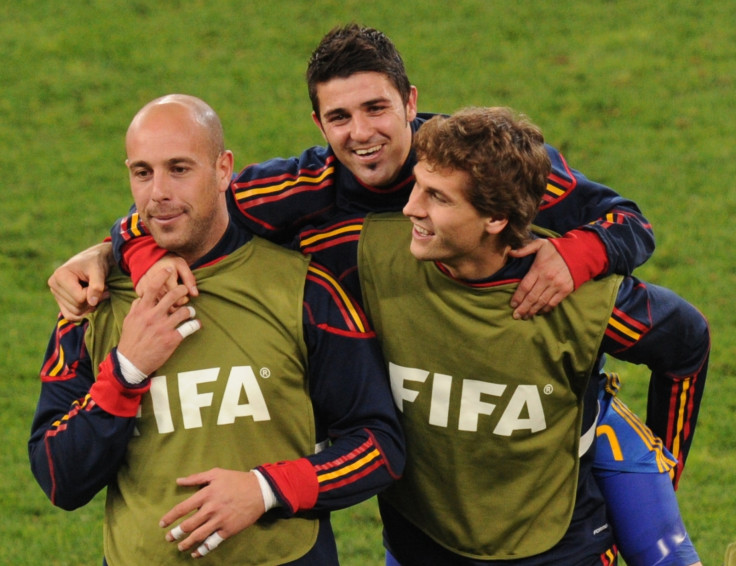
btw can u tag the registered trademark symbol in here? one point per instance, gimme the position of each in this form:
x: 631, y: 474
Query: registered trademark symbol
x: 548, y: 389
x: 265, y: 373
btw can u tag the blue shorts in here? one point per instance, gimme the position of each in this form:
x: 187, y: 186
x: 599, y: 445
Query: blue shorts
x: 624, y: 443
x: 632, y: 468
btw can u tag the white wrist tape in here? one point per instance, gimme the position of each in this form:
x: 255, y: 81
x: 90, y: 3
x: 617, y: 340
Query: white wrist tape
x: 269, y: 497
x: 131, y: 374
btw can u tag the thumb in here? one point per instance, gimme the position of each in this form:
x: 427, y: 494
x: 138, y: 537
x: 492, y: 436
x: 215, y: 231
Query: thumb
x: 95, y: 288
x: 528, y: 249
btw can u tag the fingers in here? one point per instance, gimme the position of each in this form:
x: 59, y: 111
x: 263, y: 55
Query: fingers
x: 152, y: 331
x: 227, y: 502
x: 175, y: 534
x: 155, y: 288
x: 187, y: 506
x: 157, y: 281
x: 534, y: 304
x: 79, y: 284
x: 540, y: 297
x: 177, y: 270
x: 546, y: 284
x: 194, y: 530
x: 528, y: 249
x: 69, y: 294
x: 95, y: 287
x: 186, y: 277
x: 200, y: 478
x: 190, y: 326
x: 210, y: 543
x: 523, y: 297
x: 184, y: 315
x: 532, y: 295
x: 159, y: 292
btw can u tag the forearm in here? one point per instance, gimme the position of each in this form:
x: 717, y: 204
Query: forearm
x: 367, y: 450
x: 350, y: 471
x: 75, y: 446
x: 353, y: 408
x: 74, y: 458
x: 274, y: 198
x: 628, y: 239
x: 653, y: 326
x: 617, y: 243
x: 573, y: 204
x: 135, y: 251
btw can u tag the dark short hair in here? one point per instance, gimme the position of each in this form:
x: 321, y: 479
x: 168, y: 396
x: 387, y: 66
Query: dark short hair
x: 352, y: 49
x: 503, y: 153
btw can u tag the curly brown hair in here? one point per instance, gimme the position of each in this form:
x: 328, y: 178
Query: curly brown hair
x: 505, y: 156
x: 352, y: 49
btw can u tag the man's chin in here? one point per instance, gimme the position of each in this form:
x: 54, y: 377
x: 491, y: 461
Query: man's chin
x: 167, y: 240
x: 419, y: 252
x: 375, y: 176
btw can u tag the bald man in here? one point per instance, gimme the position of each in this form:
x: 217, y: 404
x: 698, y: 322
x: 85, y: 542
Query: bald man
x: 219, y: 421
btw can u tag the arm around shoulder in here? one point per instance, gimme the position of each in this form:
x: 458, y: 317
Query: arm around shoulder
x: 79, y: 284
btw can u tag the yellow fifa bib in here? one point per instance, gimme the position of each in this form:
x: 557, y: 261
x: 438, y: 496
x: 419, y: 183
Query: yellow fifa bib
x: 491, y: 406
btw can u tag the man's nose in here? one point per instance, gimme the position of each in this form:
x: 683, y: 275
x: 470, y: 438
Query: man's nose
x: 361, y: 127
x: 160, y: 189
x: 413, y: 206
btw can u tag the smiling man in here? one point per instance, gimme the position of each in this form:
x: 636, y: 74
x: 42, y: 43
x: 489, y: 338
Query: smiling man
x: 246, y: 434
x: 498, y: 413
x: 364, y: 119
x: 190, y: 224
x: 447, y: 236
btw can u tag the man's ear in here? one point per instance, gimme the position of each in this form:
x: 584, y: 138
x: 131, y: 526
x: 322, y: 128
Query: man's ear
x: 411, y: 105
x: 224, y: 168
x: 318, y: 123
x: 495, y: 225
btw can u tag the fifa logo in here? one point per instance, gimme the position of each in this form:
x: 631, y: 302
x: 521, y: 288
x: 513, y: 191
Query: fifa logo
x: 242, y: 397
x: 523, y: 411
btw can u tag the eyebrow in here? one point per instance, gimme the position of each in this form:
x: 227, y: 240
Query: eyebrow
x: 442, y: 192
x: 172, y: 161
x: 372, y: 102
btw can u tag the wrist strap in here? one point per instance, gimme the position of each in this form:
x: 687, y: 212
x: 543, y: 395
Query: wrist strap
x: 294, y: 483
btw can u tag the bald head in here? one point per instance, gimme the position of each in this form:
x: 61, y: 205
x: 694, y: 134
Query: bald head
x: 188, y: 110
x: 179, y: 173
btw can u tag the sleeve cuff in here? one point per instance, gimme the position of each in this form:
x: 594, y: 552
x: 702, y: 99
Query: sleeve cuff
x: 111, y: 393
x: 139, y: 255
x: 294, y: 482
x: 584, y: 254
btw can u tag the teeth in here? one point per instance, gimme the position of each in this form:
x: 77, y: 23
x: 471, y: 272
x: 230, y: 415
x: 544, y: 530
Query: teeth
x: 421, y: 230
x: 368, y: 151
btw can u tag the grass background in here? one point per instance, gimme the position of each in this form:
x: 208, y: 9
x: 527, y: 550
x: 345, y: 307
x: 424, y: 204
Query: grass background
x: 638, y: 95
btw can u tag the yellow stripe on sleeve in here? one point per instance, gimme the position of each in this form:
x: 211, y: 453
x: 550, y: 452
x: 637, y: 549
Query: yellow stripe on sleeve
x: 343, y: 295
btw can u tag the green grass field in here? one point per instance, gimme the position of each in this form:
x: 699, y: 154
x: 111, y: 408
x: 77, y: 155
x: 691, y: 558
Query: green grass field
x: 638, y: 95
